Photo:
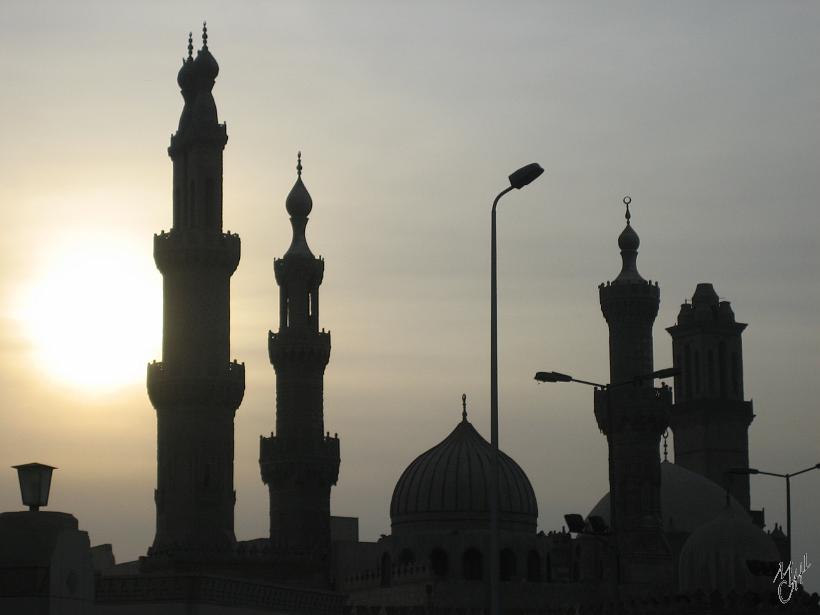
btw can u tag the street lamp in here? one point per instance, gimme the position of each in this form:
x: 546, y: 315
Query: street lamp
x: 520, y: 178
x: 748, y: 471
x: 596, y: 527
x: 607, y: 388
x: 35, y: 484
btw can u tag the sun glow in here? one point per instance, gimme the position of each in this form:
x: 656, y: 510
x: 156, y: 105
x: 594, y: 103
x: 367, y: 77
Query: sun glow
x: 93, y: 316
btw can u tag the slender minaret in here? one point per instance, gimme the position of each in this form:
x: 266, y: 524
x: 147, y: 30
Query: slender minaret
x: 196, y: 389
x: 634, y: 420
x: 710, y: 418
x: 300, y: 463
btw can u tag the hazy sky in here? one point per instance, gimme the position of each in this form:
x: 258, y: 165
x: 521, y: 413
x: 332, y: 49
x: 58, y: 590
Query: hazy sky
x: 409, y: 116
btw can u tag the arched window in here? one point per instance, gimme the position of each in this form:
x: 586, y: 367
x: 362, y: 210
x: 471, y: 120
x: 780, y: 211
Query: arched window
x: 386, y: 570
x: 473, y: 564
x: 406, y: 557
x: 506, y: 564
x: 438, y: 562
x: 533, y: 566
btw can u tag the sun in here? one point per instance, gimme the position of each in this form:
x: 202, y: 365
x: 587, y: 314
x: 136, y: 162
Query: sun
x: 93, y: 314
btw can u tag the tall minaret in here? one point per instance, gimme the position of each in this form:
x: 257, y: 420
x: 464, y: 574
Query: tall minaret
x: 196, y: 389
x: 710, y: 419
x: 300, y: 463
x: 635, y: 421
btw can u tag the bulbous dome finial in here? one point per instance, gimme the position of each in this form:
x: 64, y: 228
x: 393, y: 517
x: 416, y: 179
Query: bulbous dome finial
x: 628, y: 239
x: 299, y: 203
x: 205, y: 64
x: 185, y: 77
x: 628, y: 242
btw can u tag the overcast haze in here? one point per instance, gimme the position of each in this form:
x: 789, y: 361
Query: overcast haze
x: 409, y: 118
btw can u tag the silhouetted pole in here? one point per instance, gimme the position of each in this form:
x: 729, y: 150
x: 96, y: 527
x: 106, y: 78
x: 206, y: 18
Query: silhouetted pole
x: 518, y: 180
x: 788, y: 478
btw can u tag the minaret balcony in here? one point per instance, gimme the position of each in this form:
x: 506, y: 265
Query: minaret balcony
x: 215, y: 135
x: 309, y: 270
x: 184, y: 389
x: 638, y: 407
x: 197, y: 248
x: 294, y: 346
x: 284, y: 462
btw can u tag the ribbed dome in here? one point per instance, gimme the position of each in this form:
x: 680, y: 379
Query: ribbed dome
x: 716, y: 556
x: 446, y: 488
x: 688, y: 500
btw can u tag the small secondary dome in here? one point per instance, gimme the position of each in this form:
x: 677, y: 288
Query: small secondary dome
x: 722, y: 555
x: 688, y: 500
x: 205, y: 64
x: 446, y: 488
x: 185, y: 76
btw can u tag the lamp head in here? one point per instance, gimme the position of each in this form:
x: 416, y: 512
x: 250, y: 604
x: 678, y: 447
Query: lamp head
x: 598, y: 524
x: 35, y: 484
x: 669, y: 372
x: 575, y: 522
x: 525, y: 175
x: 552, y: 377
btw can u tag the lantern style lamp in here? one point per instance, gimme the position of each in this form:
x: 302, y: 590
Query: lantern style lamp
x: 35, y: 483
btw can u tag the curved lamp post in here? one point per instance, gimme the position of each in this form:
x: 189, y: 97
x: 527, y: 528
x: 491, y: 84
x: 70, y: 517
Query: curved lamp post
x: 748, y: 471
x: 520, y: 178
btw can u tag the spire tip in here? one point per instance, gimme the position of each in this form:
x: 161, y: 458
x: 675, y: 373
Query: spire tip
x: 464, y: 406
x: 627, y: 201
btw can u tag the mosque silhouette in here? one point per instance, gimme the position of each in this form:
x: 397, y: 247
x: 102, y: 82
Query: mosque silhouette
x: 670, y: 538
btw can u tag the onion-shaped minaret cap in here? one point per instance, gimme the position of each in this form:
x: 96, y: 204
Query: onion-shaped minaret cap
x: 299, y: 203
x: 628, y: 242
x: 185, y: 76
x: 205, y: 64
